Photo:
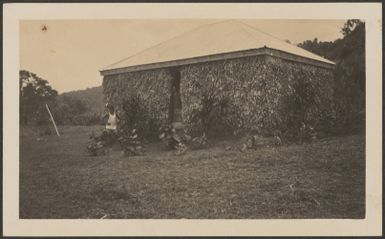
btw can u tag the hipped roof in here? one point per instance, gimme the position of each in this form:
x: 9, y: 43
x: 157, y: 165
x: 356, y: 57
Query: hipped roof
x: 217, y: 38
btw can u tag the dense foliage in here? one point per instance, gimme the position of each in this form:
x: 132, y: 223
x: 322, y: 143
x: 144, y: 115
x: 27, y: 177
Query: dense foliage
x: 349, y: 87
x: 35, y: 92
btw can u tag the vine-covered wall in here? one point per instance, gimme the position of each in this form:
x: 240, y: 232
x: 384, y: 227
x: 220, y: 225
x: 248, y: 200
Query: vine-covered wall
x: 306, y: 94
x: 153, y: 88
x: 259, y: 93
x: 252, y: 93
x: 227, y: 90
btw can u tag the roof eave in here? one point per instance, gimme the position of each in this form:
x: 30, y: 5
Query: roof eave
x: 217, y: 57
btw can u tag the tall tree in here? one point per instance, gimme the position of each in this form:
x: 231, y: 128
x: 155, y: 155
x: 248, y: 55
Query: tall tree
x: 349, y: 55
x: 350, y: 25
x: 34, y: 93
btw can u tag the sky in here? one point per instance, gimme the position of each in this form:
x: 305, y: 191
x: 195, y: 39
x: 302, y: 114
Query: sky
x: 70, y: 53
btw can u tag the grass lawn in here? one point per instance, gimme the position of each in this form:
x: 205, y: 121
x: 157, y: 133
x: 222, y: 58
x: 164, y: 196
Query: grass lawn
x: 324, y: 179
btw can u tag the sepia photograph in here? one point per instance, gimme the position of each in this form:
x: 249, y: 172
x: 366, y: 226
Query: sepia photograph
x: 192, y: 119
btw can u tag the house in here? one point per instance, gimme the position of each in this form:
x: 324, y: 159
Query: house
x: 225, y: 77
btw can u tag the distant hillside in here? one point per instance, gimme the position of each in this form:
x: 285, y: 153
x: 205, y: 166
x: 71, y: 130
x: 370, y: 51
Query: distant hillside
x: 92, y: 98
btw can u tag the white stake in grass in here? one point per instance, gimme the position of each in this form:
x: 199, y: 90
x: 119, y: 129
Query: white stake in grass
x: 53, y: 121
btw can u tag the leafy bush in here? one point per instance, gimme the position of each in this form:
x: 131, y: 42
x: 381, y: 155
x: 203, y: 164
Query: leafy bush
x: 256, y: 142
x: 295, y: 107
x: 136, y: 115
x: 131, y: 143
x: 98, y: 142
x: 173, y: 139
x: 214, y: 117
x: 199, y: 142
x: 96, y: 148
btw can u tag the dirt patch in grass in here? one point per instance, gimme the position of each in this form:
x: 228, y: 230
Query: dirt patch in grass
x: 324, y: 179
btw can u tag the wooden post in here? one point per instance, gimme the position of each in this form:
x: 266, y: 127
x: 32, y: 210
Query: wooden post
x: 53, y: 121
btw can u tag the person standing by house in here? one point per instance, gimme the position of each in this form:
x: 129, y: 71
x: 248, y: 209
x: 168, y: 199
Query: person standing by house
x: 113, y: 119
x: 110, y: 134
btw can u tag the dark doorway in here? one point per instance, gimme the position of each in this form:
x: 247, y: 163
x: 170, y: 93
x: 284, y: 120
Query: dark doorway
x: 175, y: 110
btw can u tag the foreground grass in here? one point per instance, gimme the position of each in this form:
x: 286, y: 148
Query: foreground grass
x: 325, y: 179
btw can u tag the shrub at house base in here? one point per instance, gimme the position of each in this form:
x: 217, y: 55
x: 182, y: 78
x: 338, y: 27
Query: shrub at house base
x: 129, y: 141
x: 173, y: 138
